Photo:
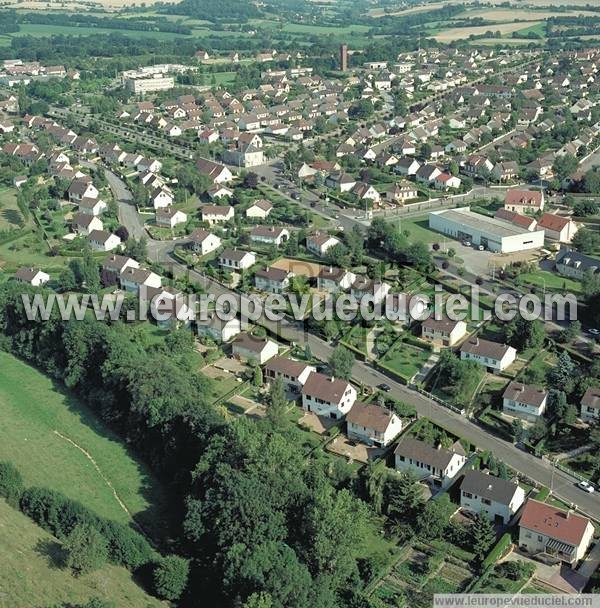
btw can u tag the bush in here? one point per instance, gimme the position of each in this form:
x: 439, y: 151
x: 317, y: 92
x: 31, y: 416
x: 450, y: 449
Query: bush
x: 87, y: 549
x: 11, y: 483
x: 125, y: 546
x: 170, y: 577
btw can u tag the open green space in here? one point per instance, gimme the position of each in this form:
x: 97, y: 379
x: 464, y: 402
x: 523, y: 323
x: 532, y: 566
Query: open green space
x: 30, y: 576
x: 28, y: 250
x: 549, y: 280
x: 11, y: 217
x: 405, y: 359
x: 39, y: 30
x: 418, y: 230
x: 57, y: 442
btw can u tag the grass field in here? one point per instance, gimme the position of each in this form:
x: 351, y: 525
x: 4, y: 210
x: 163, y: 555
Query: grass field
x: 549, y: 280
x: 405, y: 359
x: 40, y: 30
x: 462, y: 33
x: 28, y: 250
x: 34, y: 410
x: 10, y: 215
x: 418, y: 230
x: 29, y: 576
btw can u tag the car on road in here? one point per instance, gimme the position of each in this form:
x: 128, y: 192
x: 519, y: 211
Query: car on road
x: 295, y: 196
x: 313, y: 204
x: 594, y: 332
x: 481, y: 248
x: 466, y: 243
x: 386, y: 388
x: 585, y: 486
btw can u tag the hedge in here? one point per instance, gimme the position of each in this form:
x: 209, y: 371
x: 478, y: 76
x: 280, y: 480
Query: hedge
x: 498, y: 551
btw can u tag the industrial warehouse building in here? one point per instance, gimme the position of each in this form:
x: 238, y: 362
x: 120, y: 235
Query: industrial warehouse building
x: 494, y: 234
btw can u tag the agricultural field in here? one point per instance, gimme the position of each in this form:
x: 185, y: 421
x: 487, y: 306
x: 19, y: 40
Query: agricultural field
x: 462, y: 33
x: 57, y: 442
x: 29, y: 575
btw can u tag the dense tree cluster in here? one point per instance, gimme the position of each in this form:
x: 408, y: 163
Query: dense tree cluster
x: 260, y: 520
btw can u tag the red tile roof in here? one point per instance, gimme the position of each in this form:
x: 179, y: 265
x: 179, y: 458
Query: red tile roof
x: 553, y: 522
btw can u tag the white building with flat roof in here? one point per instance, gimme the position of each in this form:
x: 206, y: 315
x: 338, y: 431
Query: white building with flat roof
x: 494, y: 234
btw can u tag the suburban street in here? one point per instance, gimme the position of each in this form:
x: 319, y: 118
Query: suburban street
x: 564, y: 486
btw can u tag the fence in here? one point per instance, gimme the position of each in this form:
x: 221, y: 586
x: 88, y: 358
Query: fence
x: 437, y: 399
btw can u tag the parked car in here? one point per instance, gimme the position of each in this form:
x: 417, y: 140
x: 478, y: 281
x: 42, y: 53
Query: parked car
x: 386, y: 388
x: 586, y: 486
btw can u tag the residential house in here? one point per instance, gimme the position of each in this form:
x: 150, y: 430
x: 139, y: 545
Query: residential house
x: 364, y: 287
x: 494, y: 356
x: 590, y: 404
x: 524, y: 401
x: 218, y: 191
x: 269, y: 235
x: 438, y: 466
x: 333, y: 279
x: 133, y: 279
x: 101, y: 240
x: 293, y: 374
x: 427, y: 174
x: 217, y: 173
x: 524, y: 201
x: 31, y: 276
x: 81, y: 188
x: 236, y: 259
x: 558, y: 227
x: 84, y: 224
x: 372, y: 424
x: 203, y: 242
x: 273, y: 280
x: 161, y: 198
x: 443, y: 332
x: 218, y: 329
x: 401, y: 191
x: 446, y: 181
x: 113, y: 267
x: 250, y: 348
x: 365, y: 192
x: 505, y: 171
x: 259, y: 209
x: 327, y: 396
x: 407, y: 166
x: 547, y: 530
x: 497, y: 499
x: 92, y: 206
x: 169, y: 218
x: 319, y: 242
x: 575, y: 265
x: 215, y: 214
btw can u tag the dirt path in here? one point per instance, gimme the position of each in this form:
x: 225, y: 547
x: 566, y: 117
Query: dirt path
x: 102, y: 475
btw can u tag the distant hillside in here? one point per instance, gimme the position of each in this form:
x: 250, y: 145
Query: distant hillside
x: 223, y: 10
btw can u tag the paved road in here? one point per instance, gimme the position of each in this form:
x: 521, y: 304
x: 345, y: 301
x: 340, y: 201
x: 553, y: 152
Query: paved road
x: 562, y: 484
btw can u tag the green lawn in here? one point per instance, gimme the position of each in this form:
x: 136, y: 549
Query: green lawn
x: 405, y: 359
x: 324, y: 30
x: 29, y: 250
x: 11, y: 217
x: 550, y: 280
x: 30, y: 575
x: 418, y: 230
x: 219, y: 387
x: 35, y: 409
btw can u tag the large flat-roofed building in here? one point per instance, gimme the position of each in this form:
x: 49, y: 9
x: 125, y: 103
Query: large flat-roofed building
x: 144, y: 82
x: 494, y: 234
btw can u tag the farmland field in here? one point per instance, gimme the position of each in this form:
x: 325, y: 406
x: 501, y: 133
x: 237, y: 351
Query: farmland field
x: 38, y: 30
x: 461, y: 33
x: 30, y: 577
x: 44, y: 431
